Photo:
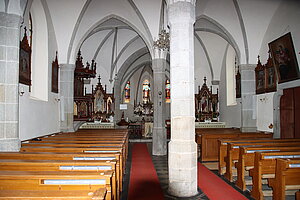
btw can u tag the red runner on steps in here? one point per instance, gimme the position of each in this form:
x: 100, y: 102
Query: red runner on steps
x: 214, y: 187
x: 144, y: 183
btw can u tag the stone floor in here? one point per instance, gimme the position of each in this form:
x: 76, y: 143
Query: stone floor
x: 161, y: 166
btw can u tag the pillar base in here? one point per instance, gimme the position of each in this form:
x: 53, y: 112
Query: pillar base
x: 182, y: 189
x: 183, y: 168
x: 248, y: 129
x: 12, y: 144
x: 197, y: 196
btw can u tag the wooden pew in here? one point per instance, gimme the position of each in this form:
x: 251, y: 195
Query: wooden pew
x: 85, y: 138
x: 298, y: 195
x: 233, y: 152
x: 104, y: 141
x: 91, y: 157
x: 62, y: 165
x: 56, y: 180
x: 66, y: 142
x: 287, y: 177
x: 222, y: 145
x: 264, y: 167
x: 98, y: 194
x: 246, y: 160
x: 78, y: 150
x: 209, y: 140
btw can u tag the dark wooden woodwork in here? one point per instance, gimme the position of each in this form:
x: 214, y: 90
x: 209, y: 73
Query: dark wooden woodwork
x: 208, y: 138
x: 271, y: 79
x: 83, y: 103
x: 54, y: 82
x: 206, y: 104
x: 238, y: 89
x: 287, y: 113
x: 260, y: 77
x: 25, y: 61
x: 297, y: 111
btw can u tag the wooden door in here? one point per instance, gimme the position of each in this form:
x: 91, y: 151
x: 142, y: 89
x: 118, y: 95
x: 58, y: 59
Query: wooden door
x: 287, y: 109
x: 297, y: 111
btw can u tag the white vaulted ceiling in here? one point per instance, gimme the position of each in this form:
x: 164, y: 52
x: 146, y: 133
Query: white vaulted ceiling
x: 90, y: 25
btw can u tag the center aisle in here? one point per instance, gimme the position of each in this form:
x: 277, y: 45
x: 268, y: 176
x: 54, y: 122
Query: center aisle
x: 144, y: 183
x: 214, y: 187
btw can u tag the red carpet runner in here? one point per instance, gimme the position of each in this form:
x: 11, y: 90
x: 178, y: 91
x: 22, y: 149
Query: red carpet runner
x: 214, y: 187
x: 144, y: 183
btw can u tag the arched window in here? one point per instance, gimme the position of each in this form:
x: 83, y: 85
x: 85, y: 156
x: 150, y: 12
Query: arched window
x: 168, y: 91
x: 127, y: 92
x: 146, y: 92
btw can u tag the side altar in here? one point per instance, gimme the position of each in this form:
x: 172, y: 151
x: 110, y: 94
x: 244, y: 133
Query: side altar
x: 206, y: 104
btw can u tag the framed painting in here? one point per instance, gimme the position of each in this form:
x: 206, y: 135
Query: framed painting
x: 284, y: 58
x: 271, y: 81
x: 55, y: 68
x: 25, y: 61
x: 260, y: 78
x: 238, y: 89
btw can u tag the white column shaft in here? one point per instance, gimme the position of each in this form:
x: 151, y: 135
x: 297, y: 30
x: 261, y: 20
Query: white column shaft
x: 182, y: 148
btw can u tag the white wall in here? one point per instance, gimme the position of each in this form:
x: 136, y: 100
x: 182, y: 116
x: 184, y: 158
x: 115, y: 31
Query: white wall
x: 37, y: 117
x: 264, y: 107
x: 285, y: 19
x: 40, y: 117
x: 231, y: 115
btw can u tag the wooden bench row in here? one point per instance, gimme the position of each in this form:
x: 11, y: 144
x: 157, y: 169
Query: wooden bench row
x: 248, y: 155
x: 87, y: 162
x: 207, y: 140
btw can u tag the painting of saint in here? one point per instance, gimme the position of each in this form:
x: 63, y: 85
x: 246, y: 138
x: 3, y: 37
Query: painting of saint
x: 284, y: 58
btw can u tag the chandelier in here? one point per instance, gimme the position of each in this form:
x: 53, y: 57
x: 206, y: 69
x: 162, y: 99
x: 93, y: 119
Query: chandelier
x: 163, y: 42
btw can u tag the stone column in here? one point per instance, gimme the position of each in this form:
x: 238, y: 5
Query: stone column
x: 9, y: 81
x: 117, y: 95
x: 182, y: 148
x: 67, y: 97
x: 159, y: 138
x: 248, y: 123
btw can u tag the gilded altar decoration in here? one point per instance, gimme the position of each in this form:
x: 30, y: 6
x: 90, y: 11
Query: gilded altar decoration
x: 206, y: 104
x: 146, y: 107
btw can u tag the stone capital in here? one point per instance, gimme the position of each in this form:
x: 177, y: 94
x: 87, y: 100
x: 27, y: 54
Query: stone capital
x: 170, y: 2
x: 247, y: 67
x: 67, y: 67
x: 159, y: 53
x: 215, y: 82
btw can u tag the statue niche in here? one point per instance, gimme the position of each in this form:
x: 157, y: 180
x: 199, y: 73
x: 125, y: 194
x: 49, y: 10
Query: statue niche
x: 206, y: 104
